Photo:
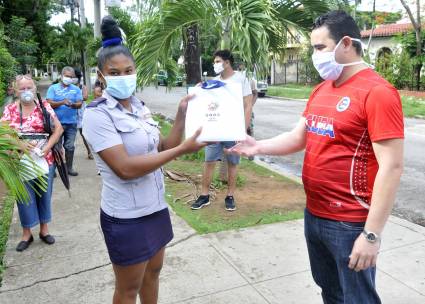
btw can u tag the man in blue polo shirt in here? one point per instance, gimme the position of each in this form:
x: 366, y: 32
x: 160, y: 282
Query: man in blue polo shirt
x: 65, y: 98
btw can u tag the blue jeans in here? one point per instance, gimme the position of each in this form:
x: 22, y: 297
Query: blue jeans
x: 68, y: 137
x: 329, y: 245
x: 39, y: 208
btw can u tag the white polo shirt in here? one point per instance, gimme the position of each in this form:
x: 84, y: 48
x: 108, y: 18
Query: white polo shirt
x: 238, y: 77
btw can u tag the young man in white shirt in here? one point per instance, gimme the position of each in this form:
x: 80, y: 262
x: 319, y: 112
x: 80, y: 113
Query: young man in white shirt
x: 223, y: 61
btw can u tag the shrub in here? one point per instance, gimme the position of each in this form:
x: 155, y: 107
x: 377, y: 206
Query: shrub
x: 8, y: 65
x: 397, y: 69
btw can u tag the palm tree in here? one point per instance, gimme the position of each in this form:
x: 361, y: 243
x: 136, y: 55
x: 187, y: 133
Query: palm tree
x: 70, y: 40
x: 250, y: 28
x: 11, y: 168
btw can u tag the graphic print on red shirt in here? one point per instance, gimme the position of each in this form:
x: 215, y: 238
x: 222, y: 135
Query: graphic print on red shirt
x: 341, y: 123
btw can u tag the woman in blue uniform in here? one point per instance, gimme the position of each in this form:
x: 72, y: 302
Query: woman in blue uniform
x: 129, y: 152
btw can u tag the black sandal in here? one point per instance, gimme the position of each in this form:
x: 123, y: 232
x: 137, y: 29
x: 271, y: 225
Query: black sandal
x: 48, y: 239
x: 24, y: 244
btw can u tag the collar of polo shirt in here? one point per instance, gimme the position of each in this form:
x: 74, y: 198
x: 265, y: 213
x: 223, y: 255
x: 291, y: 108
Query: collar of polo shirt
x: 111, y: 102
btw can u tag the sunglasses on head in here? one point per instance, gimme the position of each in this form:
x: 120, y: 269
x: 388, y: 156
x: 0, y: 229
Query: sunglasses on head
x: 26, y: 76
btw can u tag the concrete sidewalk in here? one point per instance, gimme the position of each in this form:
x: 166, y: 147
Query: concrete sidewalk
x: 263, y: 264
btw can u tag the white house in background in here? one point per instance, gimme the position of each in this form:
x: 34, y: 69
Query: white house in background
x: 382, y: 41
x: 288, y: 67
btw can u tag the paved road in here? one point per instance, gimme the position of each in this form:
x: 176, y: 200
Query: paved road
x: 274, y: 116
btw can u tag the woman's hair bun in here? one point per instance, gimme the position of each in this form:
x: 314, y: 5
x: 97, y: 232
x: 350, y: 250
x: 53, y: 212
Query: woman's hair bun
x: 110, y: 28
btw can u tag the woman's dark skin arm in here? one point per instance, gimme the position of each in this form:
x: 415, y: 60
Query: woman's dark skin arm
x: 129, y: 167
x: 177, y: 131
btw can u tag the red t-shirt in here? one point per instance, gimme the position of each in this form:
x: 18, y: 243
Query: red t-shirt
x: 341, y: 124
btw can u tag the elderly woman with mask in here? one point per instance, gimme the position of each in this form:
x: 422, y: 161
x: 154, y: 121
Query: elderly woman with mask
x: 25, y: 116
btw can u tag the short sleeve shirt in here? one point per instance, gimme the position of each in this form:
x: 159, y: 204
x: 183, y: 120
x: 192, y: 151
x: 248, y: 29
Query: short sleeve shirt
x: 80, y: 114
x: 341, y: 125
x: 239, y: 77
x: 58, y: 92
x: 30, y: 124
x: 109, y: 124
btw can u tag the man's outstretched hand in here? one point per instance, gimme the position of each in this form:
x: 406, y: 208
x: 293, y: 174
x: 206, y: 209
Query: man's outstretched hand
x: 248, y: 147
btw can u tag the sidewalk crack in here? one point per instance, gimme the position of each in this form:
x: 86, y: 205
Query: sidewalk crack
x: 182, y: 240
x: 249, y: 283
x: 401, y: 282
x: 54, y: 279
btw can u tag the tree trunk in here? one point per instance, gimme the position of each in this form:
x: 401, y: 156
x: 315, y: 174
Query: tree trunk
x: 192, y: 54
x: 225, y: 35
x: 418, y: 68
x: 417, y: 25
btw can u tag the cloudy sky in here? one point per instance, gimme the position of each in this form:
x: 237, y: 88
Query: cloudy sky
x: 381, y: 5
x: 366, y: 5
x: 89, y: 7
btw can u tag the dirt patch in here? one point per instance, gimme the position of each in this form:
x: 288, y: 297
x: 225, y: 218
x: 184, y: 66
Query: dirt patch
x: 259, y: 193
x: 265, y: 193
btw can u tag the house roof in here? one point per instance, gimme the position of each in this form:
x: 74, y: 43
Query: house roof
x: 387, y: 30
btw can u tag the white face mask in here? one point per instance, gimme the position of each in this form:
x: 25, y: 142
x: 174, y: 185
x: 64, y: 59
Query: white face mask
x: 26, y: 96
x: 326, y: 65
x: 218, y: 67
x: 67, y: 80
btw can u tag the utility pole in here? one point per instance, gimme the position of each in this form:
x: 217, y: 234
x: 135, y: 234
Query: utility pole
x: 71, y: 4
x: 85, y: 65
x: 96, y: 4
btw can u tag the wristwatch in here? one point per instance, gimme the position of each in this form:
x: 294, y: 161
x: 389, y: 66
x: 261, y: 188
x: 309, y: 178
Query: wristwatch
x: 371, y: 237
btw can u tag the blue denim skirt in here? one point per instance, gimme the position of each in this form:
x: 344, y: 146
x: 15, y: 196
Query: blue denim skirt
x: 136, y: 240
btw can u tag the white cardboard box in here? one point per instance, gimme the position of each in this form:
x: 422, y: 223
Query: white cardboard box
x: 219, y: 111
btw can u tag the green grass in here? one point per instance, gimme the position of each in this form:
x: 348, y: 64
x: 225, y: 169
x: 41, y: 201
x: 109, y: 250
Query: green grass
x: 165, y: 126
x: 208, y: 222
x: 413, y: 106
x: 291, y: 91
x: 261, y: 171
x: 6, y: 212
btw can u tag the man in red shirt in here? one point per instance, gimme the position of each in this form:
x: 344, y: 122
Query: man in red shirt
x: 352, y: 132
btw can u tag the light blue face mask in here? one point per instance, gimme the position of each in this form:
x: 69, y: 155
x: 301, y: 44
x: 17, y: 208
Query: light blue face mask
x: 121, y: 87
x: 26, y: 96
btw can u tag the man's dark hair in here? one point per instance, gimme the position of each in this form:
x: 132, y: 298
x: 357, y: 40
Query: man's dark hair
x: 225, y: 55
x: 78, y: 73
x: 340, y: 24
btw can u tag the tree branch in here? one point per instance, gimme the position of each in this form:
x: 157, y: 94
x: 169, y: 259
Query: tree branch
x: 409, y: 12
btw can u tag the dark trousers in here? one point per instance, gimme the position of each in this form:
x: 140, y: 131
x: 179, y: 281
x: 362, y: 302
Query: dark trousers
x: 329, y: 245
x: 68, y: 137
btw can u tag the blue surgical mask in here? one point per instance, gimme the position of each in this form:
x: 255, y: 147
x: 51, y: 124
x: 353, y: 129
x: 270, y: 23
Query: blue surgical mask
x: 121, y: 87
